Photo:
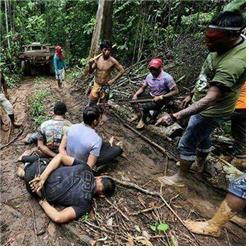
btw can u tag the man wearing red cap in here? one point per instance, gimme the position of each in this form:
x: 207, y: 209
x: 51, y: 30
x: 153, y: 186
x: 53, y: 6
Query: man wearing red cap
x: 161, y: 88
x: 59, y: 66
x: 215, y: 94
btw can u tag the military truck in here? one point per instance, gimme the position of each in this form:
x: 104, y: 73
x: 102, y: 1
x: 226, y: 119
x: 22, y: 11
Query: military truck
x: 37, y: 55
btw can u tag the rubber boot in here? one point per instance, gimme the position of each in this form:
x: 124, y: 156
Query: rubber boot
x: 177, y: 180
x: 200, y: 161
x: 12, y: 118
x: 140, y: 124
x: 212, y: 227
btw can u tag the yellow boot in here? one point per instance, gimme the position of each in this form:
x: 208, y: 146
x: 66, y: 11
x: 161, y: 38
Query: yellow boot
x: 212, y: 227
x: 140, y: 124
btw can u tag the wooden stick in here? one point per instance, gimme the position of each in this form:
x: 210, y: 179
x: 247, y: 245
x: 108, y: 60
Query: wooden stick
x: 112, y: 204
x: 13, y: 140
x: 160, y: 148
x: 135, y: 186
x: 146, y: 210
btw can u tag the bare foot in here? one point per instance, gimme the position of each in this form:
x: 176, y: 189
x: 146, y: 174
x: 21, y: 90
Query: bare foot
x: 140, y: 124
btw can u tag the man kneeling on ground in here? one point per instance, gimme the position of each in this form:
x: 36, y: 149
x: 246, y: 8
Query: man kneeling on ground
x: 67, y: 182
x: 82, y: 142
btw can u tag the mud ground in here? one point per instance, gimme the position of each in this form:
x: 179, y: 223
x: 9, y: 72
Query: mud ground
x: 24, y: 223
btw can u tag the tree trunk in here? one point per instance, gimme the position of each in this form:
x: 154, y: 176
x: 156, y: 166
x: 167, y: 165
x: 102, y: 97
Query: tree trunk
x: 97, y: 29
x: 107, y: 21
x: 6, y: 22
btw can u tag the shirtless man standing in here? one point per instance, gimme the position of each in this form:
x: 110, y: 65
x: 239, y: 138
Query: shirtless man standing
x: 103, y: 67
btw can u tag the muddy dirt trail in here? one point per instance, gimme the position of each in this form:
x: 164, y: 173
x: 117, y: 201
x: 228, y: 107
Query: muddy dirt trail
x: 128, y: 217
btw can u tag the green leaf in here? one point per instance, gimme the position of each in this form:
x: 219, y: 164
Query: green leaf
x: 163, y: 227
x: 234, y: 5
x: 153, y: 227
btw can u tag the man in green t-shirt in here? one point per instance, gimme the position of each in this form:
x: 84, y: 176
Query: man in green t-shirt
x: 215, y: 93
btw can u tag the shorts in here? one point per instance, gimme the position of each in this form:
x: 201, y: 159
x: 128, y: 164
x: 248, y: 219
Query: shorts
x: 60, y: 74
x: 238, y: 187
x: 5, y: 103
x: 197, y: 136
x: 100, y: 91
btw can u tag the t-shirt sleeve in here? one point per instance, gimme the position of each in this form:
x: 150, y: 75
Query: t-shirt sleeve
x: 40, y: 133
x: 227, y: 74
x: 95, y: 150
x: 170, y: 82
x: 80, y: 210
x: 145, y: 83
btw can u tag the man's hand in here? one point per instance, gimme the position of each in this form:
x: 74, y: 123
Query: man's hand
x: 36, y: 184
x: 186, y: 101
x: 7, y: 96
x: 166, y: 119
x: 134, y: 97
x: 110, y: 82
x: 158, y: 98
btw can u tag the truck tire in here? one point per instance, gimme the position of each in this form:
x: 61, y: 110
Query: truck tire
x: 26, y: 67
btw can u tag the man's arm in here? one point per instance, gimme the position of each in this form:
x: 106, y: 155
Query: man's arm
x: 56, y: 216
x: 91, y: 161
x: 174, y: 91
x: 139, y: 92
x: 63, y: 145
x: 44, y: 149
x: 92, y: 66
x: 120, y: 69
x: 4, y: 84
x: 211, y: 97
x: 37, y: 183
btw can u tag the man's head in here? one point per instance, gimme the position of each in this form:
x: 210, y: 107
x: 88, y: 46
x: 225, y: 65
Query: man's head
x: 60, y: 108
x: 155, y: 67
x: 92, y: 115
x: 104, y: 186
x: 224, y: 31
x: 106, y: 48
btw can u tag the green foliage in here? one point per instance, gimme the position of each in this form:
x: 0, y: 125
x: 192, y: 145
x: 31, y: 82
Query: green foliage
x: 37, y: 107
x: 159, y: 227
x: 235, y: 5
x: 85, y: 217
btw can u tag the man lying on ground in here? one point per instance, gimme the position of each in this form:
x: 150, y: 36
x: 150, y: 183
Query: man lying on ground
x: 82, y: 142
x: 162, y: 88
x: 67, y: 182
x: 234, y: 202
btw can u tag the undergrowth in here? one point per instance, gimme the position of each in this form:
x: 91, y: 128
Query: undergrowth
x: 37, y: 106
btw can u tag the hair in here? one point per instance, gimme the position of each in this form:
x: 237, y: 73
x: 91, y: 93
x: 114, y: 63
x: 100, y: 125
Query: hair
x: 60, y: 108
x: 106, y: 44
x: 109, y: 186
x: 91, y: 113
x: 233, y: 19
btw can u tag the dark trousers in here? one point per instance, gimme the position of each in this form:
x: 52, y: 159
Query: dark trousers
x: 156, y: 107
x: 108, y: 153
x: 238, y: 129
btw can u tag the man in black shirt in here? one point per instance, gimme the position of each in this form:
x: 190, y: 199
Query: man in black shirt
x: 73, y: 187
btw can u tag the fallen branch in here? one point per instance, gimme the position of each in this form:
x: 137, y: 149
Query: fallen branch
x: 112, y: 204
x: 146, y: 210
x: 13, y: 140
x: 160, y: 148
x: 153, y: 193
